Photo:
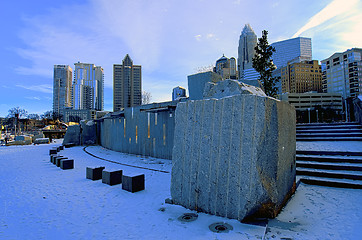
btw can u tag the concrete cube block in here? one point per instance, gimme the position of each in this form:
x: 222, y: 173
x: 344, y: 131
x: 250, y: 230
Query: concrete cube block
x: 112, y: 177
x: 53, y: 151
x: 66, y: 164
x: 133, y: 183
x: 51, y: 157
x: 61, y: 147
x: 94, y: 173
x: 54, y: 158
x: 58, y: 149
x: 58, y: 159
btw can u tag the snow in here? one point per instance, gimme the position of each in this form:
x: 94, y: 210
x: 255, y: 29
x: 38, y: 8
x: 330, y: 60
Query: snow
x: 40, y: 201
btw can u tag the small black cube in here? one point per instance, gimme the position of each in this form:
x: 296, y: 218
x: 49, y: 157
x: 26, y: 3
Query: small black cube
x: 58, y: 159
x: 61, y: 147
x: 58, y: 149
x: 112, y: 177
x: 66, y: 164
x: 133, y: 183
x: 51, y: 157
x: 53, y: 151
x: 54, y: 159
x: 94, y: 173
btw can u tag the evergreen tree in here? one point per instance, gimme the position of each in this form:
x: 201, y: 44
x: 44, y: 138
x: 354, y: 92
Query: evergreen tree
x: 263, y: 64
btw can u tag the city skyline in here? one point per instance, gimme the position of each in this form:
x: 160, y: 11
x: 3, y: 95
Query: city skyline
x: 170, y: 40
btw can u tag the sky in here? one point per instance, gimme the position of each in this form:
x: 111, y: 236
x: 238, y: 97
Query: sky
x: 170, y: 39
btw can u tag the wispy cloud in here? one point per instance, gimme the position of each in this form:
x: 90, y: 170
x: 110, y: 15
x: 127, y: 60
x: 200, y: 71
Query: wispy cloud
x: 335, y: 8
x: 45, y: 88
x: 33, y: 98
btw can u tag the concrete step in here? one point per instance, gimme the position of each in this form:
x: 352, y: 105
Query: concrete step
x: 331, y: 182
x: 329, y: 159
x: 308, y: 139
x: 314, y: 131
x: 328, y: 124
x: 339, y: 174
x: 328, y: 153
x: 329, y: 165
x: 330, y: 135
x: 329, y: 127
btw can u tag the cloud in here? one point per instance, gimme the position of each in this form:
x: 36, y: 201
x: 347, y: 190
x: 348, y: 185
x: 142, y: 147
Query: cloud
x: 45, y: 88
x: 33, y: 98
x: 335, y: 8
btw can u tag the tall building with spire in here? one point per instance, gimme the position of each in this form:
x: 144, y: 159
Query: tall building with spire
x: 127, y: 84
x: 62, y: 88
x: 246, y: 52
x: 88, y: 87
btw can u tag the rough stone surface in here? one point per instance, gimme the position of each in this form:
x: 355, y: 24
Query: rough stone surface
x: 235, y: 156
x: 229, y: 88
x: 72, y: 136
x: 88, y: 133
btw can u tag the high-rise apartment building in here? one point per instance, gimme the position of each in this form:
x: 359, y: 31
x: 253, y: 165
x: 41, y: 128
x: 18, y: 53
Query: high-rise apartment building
x: 342, y: 73
x: 226, y: 67
x: 301, y: 77
x: 87, y: 91
x: 292, y: 50
x: 246, y: 52
x: 62, y: 86
x: 127, y: 84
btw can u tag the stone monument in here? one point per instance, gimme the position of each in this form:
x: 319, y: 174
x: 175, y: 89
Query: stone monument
x: 234, y: 152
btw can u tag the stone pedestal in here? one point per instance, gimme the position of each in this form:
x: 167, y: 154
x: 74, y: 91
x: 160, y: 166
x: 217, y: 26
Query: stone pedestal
x: 54, y: 159
x: 52, y: 156
x: 133, y: 183
x: 66, y: 164
x: 53, y: 151
x: 94, y: 173
x: 112, y: 177
x: 58, y: 159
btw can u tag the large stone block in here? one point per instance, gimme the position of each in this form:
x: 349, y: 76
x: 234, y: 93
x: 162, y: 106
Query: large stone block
x: 89, y: 132
x: 235, y: 156
x: 72, y: 136
x: 66, y: 164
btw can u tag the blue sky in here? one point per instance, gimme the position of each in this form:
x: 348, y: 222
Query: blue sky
x: 169, y: 38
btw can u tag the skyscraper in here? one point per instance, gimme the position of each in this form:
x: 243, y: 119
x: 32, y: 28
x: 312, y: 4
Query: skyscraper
x: 226, y: 67
x: 127, y: 84
x: 342, y: 73
x: 88, y: 87
x: 62, y: 85
x: 301, y: 77
x: 292, y: 50
x: 246, y: 51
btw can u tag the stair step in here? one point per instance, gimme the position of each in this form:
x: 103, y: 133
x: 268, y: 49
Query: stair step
x: 330, y: 166
x: 313, y: 131
x: 330, y: 159
x: 329, y: 124
x: 328, y: 153
x: 301, y: 139
x: 330, y: 134
x: 355, y: 175
x: 329, y: 127
x: 331, y: 182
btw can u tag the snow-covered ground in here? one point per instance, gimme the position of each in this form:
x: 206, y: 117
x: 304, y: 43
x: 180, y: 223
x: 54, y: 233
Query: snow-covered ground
x: 40, y: 201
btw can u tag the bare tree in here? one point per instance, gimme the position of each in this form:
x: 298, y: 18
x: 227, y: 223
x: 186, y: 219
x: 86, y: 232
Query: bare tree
x: 17, y: 111
x: 146, y: 97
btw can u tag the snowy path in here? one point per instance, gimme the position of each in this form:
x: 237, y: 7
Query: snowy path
x: 40, y: 201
